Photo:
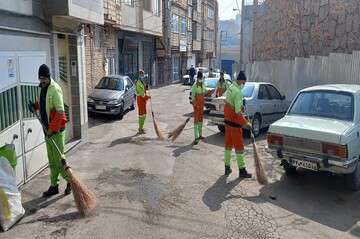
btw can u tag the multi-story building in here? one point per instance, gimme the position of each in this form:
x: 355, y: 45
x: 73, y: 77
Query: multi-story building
x: 34, y: 32
x: 191, y: 39
x: 126, y: 42
x: 209, y: 32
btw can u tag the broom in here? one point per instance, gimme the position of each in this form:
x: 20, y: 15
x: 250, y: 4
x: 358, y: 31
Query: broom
x: 158, y: 132
x: 85, y: 200
x: 260, y: 172
x: 176, y: 132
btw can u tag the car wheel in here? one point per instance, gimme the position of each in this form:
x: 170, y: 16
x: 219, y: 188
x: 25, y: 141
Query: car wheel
x: 256, y: 125
x: 353, y: 179
x: 121, y: 114
x: 289, y: 169
x: 221, y: 128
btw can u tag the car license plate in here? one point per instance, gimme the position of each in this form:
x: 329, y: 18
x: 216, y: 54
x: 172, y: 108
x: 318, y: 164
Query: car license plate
x: 304, y: 164
x: 100, y: 107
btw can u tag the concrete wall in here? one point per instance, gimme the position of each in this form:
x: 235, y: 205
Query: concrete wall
x: 137, y: 20
x: 289, y: 29
x: 24, y: 7
x: 290, y: 76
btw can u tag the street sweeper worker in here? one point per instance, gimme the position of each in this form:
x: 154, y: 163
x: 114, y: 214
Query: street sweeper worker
x: 52, y: 115
x: 198, y: 92
x: 234, y: 121
x: 221, y: 86
x: 141, y: 97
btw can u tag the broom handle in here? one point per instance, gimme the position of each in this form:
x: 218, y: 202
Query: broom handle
x: 251, y: 131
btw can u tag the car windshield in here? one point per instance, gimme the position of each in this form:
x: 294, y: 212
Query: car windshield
x: 210, y: 82
x: 110, y: 84
x: 325, y: 104
x: 248, y: 90
x: 203, y: 70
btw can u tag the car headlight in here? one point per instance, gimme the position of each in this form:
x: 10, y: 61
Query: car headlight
x: 90, y: 100
x: 113, y: 102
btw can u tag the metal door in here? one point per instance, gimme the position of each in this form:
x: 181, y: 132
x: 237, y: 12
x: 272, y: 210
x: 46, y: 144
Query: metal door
x: 18, y: 85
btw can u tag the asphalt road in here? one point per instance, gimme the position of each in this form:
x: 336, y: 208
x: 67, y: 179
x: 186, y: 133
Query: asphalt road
x: 148, y: 188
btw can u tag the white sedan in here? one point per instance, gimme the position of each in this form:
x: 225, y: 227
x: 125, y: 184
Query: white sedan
x: 321, y: 132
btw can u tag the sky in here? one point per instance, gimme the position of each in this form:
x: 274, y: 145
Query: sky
x: 226, y: 8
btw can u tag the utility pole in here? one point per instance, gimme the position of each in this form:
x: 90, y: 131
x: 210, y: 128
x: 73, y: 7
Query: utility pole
x: 220, y: 53
x: 242, y: 34
x: 242, y: 13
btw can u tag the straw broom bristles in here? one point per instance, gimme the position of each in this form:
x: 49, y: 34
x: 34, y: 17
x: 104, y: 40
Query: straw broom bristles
x: 85, y: 199
x: 158, y: 132
x: 260, y: 172
x: 176, y: 132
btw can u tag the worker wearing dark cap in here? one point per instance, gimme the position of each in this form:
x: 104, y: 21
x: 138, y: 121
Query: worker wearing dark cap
x: 234, y: 121
x: 53, y: 117
x: 198, y: 92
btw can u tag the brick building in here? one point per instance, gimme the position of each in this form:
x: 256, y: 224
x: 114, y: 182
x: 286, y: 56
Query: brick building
x: 289, y: 29
x: 190, y: 34
x: 126, y: 41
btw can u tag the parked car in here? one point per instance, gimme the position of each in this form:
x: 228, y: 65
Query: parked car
x: 113, y: 95
x: 210, y: 84
x: 264, y: 105
x: 321, y: 132
x: 188, y: 81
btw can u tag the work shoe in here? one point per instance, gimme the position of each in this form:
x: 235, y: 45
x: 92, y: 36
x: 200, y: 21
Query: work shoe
x: 196, y: 141
x: 53, y: 190
x: 67, y: 189
x: 141, y: 131
x: 244, y: 174
x: 201, y: 138
x: 227, y: 170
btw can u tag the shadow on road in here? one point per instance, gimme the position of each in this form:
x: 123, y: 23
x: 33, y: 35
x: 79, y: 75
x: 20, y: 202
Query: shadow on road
x: 219, y: 192
x: 36, y: 204
x: 179, y: 150
x: 319, y: 197
x: 133, y: 139
x: 61, y: 218
x: 98, y: 119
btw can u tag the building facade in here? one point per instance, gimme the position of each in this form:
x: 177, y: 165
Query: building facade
x: 126, y: 42
x: 33, y: 33
x: 190, y: 34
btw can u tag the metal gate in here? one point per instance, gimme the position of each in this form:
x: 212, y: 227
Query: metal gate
x: 19, y: 84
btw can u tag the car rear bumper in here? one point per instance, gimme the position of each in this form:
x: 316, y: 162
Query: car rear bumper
x: 324, y: 164
x: 216, y: 117
x: 110, y: 109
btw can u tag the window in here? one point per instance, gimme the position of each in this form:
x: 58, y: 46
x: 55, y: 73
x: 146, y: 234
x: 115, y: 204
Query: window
x: 263, y: 93
x: 183, y: 25
x: 324, y: 104
x: 175, y: 23
x: 111, y: 84
x: 194, y: 31
x: 274, y: 93
x: 211, y: 34
x: 248, y: 90
x: 99, y: 37
x: 129, y: 82
x: 210, y: 12
x: 189, y: 11
x: 147, y: 5
x: 128, y: 2
x: 157, y: 7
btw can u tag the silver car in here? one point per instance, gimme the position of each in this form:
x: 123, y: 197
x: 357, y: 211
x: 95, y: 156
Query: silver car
x: 113, y: 95
x: 264, y: 105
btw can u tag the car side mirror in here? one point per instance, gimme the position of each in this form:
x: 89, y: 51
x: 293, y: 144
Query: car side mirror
x: 283, y: 97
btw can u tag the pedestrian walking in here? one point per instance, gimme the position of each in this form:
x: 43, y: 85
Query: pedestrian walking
x: 192, y: 73
x: 221, y: 85
x: 142, y: 97
x: 234, y: 121
x: 198, y: 92
x: 53, y: 117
